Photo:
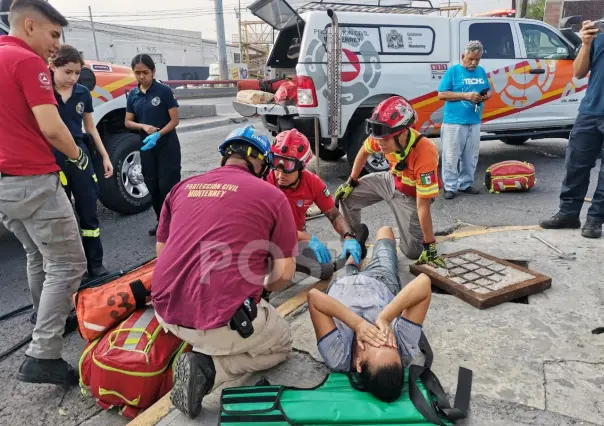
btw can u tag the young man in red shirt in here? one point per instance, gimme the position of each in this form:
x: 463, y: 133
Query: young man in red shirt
x: 291, y: 154
x: 33, y: 204
x: 223, y: 238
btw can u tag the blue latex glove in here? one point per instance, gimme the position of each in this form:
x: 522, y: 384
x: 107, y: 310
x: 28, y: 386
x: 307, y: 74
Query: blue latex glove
x: 353, y: 248
x: 323, y: 255
x: 150, y: 141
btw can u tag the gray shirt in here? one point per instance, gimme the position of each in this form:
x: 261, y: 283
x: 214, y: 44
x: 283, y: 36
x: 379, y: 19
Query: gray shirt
x: 367, y: 297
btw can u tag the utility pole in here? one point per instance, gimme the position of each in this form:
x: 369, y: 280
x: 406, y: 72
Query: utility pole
x: 522, y: 10
x: 240, y: 39
x: 96, y: 47
x: 222, y: 60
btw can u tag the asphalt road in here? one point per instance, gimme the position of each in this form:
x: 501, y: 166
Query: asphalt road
x: 126, y: 242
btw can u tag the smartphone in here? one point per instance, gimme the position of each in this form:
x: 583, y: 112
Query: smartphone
x: 484, y: 92
x: 599, y: 24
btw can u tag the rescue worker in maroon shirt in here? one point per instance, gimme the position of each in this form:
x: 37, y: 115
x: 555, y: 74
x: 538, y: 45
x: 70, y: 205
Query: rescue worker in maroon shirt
x: 291, y: 154
x: 223, y: 238
x: 33, y: 204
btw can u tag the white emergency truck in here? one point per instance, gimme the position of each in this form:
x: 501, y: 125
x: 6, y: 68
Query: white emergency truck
x: 346, y: 58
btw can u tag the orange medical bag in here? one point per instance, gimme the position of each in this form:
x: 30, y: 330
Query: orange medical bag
x: 102, y: 307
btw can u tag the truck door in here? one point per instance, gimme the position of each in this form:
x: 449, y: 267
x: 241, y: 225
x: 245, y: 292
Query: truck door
x: 550, y: 98
x: 499, y: 59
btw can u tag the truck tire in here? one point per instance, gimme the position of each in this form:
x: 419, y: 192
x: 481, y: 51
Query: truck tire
x: 375, y: 163
x: 514, y: 140
x: 327, y: 155
x: 125, y: 191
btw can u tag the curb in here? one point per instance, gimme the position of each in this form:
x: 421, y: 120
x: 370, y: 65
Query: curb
x: 188, y: 128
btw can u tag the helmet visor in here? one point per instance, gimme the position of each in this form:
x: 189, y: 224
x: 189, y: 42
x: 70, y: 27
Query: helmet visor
x: 285, y: 164
x: 381, y: 130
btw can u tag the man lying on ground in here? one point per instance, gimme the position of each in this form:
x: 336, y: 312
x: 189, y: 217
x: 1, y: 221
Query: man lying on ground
x: 367, y: 323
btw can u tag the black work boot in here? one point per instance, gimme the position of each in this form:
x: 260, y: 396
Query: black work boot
x: 362, y: 235
x: 48, y: 371
x: 94, y: 273
x: 194, y: 377
x: 449, y: 195
x: 592, y: 228
x: 469, y: 190
x: 561, y: 221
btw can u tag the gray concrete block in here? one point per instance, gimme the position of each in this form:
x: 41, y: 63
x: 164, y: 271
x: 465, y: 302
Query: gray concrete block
x: 207, y: 92
x: 196, y: 111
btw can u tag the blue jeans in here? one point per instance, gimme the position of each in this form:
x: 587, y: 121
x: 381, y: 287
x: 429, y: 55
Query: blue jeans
x: 585, y: 145
x: 460, y: 144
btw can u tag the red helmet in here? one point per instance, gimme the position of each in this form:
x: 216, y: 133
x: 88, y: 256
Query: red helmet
x: 390, y: 118
x: 291, y: 151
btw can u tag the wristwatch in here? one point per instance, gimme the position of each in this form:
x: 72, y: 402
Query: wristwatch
x: 350, y: 234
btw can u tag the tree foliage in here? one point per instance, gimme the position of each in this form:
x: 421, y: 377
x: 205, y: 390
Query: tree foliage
x: 535, y: 9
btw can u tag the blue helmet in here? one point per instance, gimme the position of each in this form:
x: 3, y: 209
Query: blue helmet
x: 250, y: 136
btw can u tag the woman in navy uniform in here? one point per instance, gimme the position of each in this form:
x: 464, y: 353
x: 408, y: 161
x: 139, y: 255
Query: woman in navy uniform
x: 152, y: 110
x: 75, y: 107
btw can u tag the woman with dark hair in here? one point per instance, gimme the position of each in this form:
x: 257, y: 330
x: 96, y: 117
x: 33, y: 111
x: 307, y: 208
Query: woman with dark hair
x: 152, y: 110
x: 75, y: 108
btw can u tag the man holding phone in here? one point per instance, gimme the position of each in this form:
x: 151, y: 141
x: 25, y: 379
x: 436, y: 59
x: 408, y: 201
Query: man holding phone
x: 586, y: 140
x: 464, y: 88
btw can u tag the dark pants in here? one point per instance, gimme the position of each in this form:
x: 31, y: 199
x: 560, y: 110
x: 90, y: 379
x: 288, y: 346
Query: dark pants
x: 307, y: 263
x: 84, y: 187
x: 161, y: 169
x: 584, y: 148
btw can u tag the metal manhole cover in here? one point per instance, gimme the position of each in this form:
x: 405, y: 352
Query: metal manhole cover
x: 483, y: 280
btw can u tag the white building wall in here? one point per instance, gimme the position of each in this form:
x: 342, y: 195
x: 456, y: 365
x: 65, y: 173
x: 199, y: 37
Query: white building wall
x: 119, y: 44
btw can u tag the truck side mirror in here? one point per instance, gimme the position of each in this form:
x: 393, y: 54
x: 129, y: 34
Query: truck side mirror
x: 87, y: 79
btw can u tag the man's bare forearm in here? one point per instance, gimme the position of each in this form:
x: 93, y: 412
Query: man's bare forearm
x: 413, y: 293
x: 451, y: 96
x: 338, y: 221
x: 335, y: 309
x: 582, y: 62
x: 425, y: 218
x: 359, y: 163
x: 159, y: 248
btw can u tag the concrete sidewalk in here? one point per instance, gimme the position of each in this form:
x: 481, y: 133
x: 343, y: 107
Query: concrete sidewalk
x: 535, y: 364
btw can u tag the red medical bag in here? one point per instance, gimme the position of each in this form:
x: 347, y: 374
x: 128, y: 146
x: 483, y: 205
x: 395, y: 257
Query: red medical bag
x: 131, y: 366
x: 510, y: 176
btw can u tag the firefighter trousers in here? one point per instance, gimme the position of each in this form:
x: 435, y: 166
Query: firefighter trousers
x: 161, y: 169
x: 377, y: 187
x: 36, y: 210
x: 84, y: 187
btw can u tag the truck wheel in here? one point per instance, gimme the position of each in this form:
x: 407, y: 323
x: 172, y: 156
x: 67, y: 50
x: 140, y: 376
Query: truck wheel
x: 375, y: 163
x: 327, y: 155
x: 514, y: 140
x: 125, y: 192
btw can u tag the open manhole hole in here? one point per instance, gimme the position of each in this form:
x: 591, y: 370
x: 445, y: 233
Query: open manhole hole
x: 483, y: 280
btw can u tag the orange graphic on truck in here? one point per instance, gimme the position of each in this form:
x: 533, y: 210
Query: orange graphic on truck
x: 514, y: 90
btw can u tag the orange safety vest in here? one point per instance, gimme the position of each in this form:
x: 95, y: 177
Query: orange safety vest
x: 419, y: 177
